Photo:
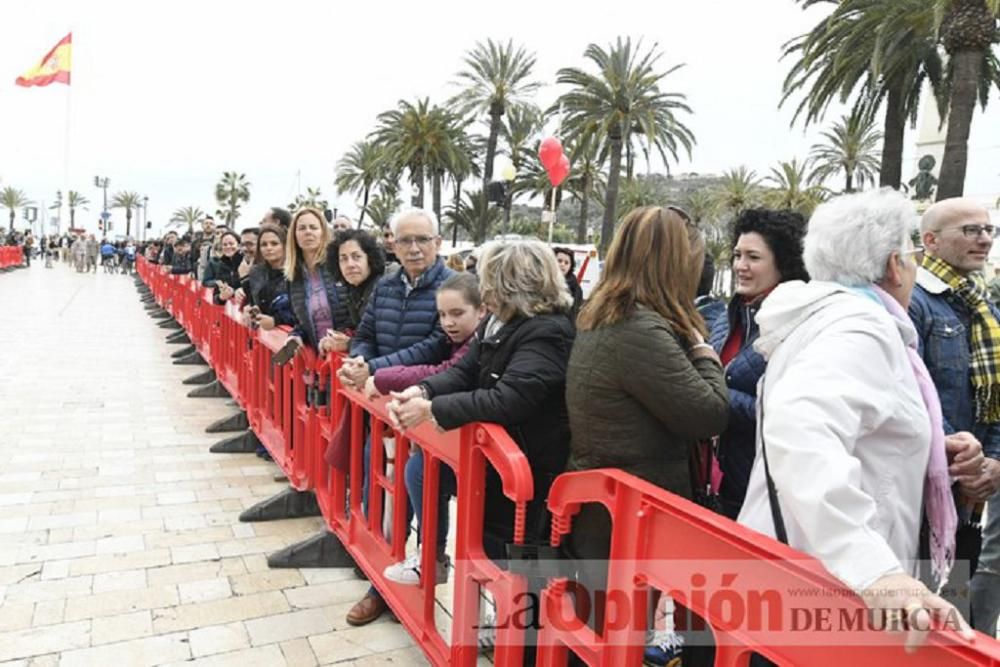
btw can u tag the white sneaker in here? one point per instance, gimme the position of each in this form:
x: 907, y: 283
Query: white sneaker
x: 407, y: 572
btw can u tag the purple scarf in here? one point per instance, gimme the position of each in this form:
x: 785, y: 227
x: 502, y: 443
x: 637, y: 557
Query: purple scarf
x: 939, y: 504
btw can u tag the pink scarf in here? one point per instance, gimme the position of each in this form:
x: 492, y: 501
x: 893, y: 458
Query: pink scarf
x: 939, y: 504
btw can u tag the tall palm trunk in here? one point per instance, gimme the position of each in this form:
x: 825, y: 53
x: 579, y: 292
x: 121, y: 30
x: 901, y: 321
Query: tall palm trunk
x: 581, y: 226
x: 72, y: 216
x: 418, y: 180
x: 966, y: 69
x: 11, y: 219
x: 364, y: 205
x: 611, y: 199
x: 496, y: 111
x: 456, y: 203
x: 848, y: 180
x: 436, y: 192
x: 894, y: 131
x: 128, y: 222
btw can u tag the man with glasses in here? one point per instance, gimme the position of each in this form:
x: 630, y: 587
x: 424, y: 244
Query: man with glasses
x: 400, y: 327
x: 959, y: 333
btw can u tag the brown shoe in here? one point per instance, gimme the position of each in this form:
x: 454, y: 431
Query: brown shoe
x: 369, y: 608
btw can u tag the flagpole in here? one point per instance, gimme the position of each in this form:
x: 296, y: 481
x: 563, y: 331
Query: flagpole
x: 66, y: 157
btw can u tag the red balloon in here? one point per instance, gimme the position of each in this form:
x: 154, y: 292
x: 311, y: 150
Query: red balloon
x: 559, y: 172
x: 549, y: 152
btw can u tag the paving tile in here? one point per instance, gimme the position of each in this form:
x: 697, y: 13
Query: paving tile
x: 49, y: 613
x: 298, y: 652
x: 118, y: 602
x: 269, y: 580
x: 217, y: 612
x: 202, y: 591
x: 126, y: 580
x: 121, y: 627
x: 219, y: 639
x: 147, y: 651
x: 288, y: 626
x: 265, y: 656
x: 45, y: 639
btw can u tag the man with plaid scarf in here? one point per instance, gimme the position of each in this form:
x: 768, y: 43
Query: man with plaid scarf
x: 959, y: 333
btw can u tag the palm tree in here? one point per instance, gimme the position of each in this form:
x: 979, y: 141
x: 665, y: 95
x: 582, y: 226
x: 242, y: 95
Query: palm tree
x: 883, y: 49
x: 382, y: 207
x: 851, y: 148
x: 586, y: 180
x: 475, y: 215
x: 358, y: 172
x: 623, y: 97
x: 75, y: 200
x: 13, y: 199
x: 312, y: 199
x: 128, y: 201
x: 497, y: 78
x: 231, y: 191
x: 739, y: 190
x: 792, y: 188
x: 968, y: 30
x: 403, y: 135
x: 187, y: 215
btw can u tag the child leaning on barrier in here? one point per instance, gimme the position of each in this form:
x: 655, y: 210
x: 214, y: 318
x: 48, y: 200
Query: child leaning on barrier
x: 461, y: 309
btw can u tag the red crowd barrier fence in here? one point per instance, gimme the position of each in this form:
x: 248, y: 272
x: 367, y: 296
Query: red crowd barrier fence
x: 10, y: 256
x: 706, y: 563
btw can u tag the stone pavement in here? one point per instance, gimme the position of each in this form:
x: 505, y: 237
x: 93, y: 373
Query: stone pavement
x: 119, y: 538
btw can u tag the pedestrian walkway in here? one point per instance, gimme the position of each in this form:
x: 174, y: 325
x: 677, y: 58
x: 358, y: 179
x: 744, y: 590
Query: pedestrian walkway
x: 119, y: 538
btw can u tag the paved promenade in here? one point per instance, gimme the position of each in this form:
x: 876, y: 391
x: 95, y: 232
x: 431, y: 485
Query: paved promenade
x: 119, y: 538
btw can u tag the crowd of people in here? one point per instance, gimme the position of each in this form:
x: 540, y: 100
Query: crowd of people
x: 83, y: 251
x: 846, y: 400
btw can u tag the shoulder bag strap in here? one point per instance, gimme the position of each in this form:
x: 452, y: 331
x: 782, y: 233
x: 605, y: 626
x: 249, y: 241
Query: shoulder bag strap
x: 772, y: 493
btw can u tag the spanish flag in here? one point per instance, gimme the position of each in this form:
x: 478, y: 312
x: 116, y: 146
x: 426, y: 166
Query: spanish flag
x: 54, y: 67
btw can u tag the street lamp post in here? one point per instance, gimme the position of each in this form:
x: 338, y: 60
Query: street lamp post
x: 145, y: 215
x: 103, y: 183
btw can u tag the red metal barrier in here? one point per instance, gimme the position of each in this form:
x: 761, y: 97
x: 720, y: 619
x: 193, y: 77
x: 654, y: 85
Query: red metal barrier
x: 664, y: 542
x: 11, y: 256
x: 659, y: 540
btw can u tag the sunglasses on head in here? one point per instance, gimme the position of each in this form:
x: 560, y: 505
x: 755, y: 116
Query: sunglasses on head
x: 679, y: 211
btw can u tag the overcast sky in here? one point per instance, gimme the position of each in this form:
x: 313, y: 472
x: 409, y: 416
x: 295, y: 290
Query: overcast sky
x: 167, y: 95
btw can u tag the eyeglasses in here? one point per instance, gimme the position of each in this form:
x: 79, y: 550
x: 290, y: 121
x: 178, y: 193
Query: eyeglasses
x: 422, y: 241
x: 972, y: 232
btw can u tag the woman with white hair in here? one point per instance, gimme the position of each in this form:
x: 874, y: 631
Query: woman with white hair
x: 850, y: 445
x: 514, y: 374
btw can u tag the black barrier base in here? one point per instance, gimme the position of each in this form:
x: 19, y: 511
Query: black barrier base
x: 193, y: 359
x: 183, y: 352
x: 321, y: 550
x: 151, y: 306
x: 149, y: 298
x: 280, y: 477
x: 236, y: 422
x: 289, y: 504
x: 201, y: 378
x: 178, y: 338
x: 244, y: 443
x: 160, y: 314
x: 171, y: 324
x: 213, y: 389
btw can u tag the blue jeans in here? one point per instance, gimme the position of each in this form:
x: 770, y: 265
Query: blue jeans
x: 414, y: 478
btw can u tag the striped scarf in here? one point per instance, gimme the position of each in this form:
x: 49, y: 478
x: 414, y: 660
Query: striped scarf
x: 984, y: 341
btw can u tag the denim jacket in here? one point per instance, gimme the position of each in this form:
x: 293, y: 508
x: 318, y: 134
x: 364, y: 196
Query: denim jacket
x: 942, y: 321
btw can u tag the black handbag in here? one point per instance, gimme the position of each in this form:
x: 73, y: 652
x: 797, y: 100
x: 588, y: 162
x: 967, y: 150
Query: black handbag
x: 772, y: 493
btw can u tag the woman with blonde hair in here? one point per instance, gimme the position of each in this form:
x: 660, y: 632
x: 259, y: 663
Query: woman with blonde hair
x: 318, y: 302
x: 514, y: 374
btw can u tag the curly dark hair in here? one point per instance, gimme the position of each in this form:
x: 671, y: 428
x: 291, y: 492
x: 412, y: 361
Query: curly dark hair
x: 783, y: 231
x: 376, y: 256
